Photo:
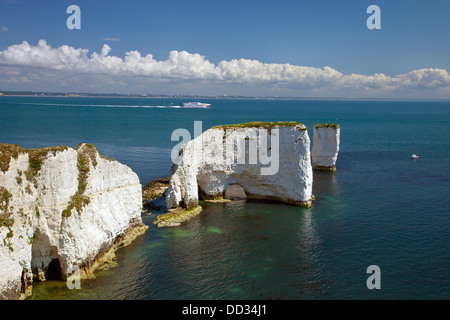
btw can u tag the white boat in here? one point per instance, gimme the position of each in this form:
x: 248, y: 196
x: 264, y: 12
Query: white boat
x: 194, y: 105
x: 414, y: 156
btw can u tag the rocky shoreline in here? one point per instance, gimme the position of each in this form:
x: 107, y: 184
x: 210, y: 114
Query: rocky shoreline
x: 153, y: 201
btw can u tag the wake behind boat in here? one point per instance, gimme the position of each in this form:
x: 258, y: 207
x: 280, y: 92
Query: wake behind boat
x: 194, y: 105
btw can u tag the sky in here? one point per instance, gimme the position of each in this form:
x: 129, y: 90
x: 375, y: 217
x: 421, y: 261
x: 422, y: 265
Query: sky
x: 296, y: 48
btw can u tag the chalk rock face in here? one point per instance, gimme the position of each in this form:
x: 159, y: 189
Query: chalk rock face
x: 325, y: 149
x: 268, y: 160
x: 235, y: 192
x: 62, y: 210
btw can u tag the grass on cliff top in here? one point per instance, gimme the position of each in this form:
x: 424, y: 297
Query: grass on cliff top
x: 87, y: 154
x: 35, y: 156
x: 8, y: 151
x: 326, y: 125
x: 260, y: 124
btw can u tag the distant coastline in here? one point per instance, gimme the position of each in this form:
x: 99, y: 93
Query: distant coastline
x: 182, y: 96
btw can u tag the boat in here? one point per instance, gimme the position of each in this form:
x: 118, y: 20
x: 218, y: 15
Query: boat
x: 194, y: 105
x: 414, y: 156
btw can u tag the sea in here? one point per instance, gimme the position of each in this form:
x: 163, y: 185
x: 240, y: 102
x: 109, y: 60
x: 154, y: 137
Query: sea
x: 381, y: 208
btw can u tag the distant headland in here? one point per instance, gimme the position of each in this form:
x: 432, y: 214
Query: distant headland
x: 192, y: 96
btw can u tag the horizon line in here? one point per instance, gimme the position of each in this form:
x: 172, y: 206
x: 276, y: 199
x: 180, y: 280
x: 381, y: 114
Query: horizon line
x: 6, y: 93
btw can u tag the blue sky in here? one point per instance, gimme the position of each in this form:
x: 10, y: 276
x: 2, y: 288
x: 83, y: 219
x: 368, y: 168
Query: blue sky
x: 309, y: 34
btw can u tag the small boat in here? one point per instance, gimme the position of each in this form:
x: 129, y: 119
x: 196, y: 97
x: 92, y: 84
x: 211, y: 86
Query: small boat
x: 414, y: 156
x: 194, y: 105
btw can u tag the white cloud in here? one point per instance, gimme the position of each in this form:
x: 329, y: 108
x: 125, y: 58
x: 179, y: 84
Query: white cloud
x: 4, y: 29
x: 182, y: 65
x: 111, y: 39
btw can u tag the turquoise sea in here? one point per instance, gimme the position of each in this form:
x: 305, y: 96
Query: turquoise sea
x: 380, y: 207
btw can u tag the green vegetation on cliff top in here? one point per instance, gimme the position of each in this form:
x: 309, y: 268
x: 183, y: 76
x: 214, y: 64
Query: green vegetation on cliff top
x: 35, y: 156
x: 8, y: 151
x: 87, y: 154
x: 259, y: 124
x: 326, y: 125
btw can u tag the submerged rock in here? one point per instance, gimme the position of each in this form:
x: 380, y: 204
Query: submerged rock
x: 62, y: 210
x: 153, y: 195
x: 325, y: 149
x: 175, y: 217
x: 267, y: 160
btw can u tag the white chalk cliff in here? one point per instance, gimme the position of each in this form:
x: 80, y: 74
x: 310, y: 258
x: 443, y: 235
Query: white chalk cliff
x: 325, y: 149
x: 62, y: 209
x: 268, y: 160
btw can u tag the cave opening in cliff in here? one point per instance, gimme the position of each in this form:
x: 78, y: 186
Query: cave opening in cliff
x: 42, y: 251
x: 54, y: 270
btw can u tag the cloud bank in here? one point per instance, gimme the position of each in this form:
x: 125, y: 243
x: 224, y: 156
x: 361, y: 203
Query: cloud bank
x: 182, y: 65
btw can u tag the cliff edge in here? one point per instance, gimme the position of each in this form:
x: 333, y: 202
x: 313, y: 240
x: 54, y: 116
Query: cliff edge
x: 62, y: 210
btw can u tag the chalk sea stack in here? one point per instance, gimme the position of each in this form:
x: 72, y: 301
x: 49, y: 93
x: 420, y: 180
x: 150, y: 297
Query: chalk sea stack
x: 226, y: 156
x: 326, y: 139
x: 61, y: 210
